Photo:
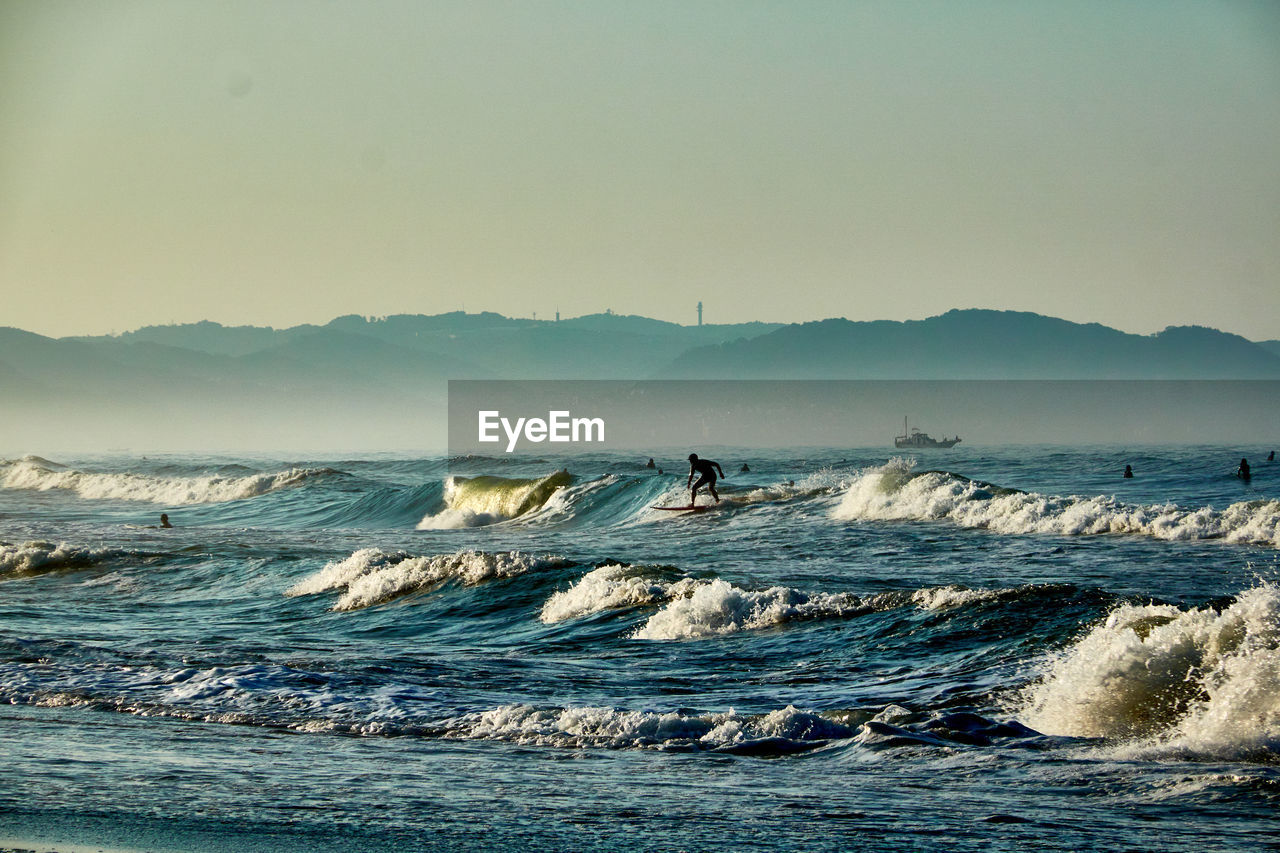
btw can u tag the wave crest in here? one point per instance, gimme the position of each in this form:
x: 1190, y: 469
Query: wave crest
x: 785, y: 730
x: 41, y: 475
x: 612, y: 587
x: 717, y: 607
x: 478, y: 501
x: 1204, y: 681
x: 33, y: 557
x: 372, y: 576
x: 693, y: 608
x: 893, y: 492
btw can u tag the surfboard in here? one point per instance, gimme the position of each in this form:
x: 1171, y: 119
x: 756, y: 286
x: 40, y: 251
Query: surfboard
x: 690, y: 508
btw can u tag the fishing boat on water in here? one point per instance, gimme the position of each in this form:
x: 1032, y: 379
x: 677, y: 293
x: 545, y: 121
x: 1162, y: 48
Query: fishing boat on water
x: 914, y: 438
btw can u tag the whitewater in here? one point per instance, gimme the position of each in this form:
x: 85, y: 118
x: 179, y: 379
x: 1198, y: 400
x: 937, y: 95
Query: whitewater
x: 971, y: 649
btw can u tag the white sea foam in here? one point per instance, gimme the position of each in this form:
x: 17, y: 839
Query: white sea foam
x: 947, y: 597
x: 609, y: 727
x: 822, y: 481
x: 457, y: 519
x: 31, y: 473
x: 717, y: 607
x: 1200, y: 681
x: 372, y: 576
x: 45, y: 556
x: 612, y: 587
x: 891, y: 492
x: 703, y: 608
x: 479, y: 501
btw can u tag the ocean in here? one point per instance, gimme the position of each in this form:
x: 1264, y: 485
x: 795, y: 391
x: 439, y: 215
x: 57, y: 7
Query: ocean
x: 980, y: 648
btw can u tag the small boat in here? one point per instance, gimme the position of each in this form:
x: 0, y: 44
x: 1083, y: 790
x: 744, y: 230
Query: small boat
x: 915, y: 438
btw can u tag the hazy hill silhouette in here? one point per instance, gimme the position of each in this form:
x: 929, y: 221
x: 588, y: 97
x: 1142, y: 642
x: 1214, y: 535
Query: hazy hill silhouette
x: 978, y: 344
x: 381, y: 382
x: 396, y: 351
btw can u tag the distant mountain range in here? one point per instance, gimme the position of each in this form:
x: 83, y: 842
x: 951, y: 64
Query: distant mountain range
x: 386, y: 375
x: 390, y: 351
x: 979, y: 344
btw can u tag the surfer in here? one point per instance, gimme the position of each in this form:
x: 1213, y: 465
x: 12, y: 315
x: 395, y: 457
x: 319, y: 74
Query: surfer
x: 651, y: 465
x: 1128, y: 472
x: 1271, y: 457
x: 744, y: 469
x: 164, y: 521
x: 706, y: 471
x: 1243, y: 471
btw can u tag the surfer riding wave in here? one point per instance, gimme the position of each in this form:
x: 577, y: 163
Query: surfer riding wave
x: 706, y: 471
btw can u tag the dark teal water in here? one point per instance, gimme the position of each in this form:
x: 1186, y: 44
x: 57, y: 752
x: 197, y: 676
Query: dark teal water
x: 986, y: 649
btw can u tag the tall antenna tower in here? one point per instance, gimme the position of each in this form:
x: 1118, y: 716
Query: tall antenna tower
x: 699, y: 313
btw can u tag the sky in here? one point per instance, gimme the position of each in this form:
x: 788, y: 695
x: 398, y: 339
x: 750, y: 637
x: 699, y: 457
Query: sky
x: 289, y: 162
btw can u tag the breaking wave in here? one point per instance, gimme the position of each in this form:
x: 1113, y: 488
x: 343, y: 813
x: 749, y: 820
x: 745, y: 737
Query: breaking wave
x: 693, y: 608
x: 894, y: 492
x: 613, y: 587
x: 478, y: 501
x: 718, y: 607
x: 34, y: 557
x: 372, y: 576
x: 1199, y: 681
x: 786, y: 730
x: 41, y: 475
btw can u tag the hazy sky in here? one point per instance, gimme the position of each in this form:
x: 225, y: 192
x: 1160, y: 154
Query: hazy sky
x: 278, y: 163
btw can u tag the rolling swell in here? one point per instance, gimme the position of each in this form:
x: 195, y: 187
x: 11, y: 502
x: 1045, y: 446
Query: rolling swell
x: 387, y: 506
x: 892, y: 492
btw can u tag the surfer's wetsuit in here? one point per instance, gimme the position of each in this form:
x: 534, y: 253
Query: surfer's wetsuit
x: 706, y: 471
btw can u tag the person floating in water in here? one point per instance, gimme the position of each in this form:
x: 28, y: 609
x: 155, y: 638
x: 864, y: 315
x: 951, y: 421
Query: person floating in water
x: 1243, y: 471
x: 1271, y: 457
x: 651, y: 465
x: 706, y: 471
x: 164, y: 521
x: 1128, y: 472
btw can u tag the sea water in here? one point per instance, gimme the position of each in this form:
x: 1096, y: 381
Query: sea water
x: 856, y: 649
